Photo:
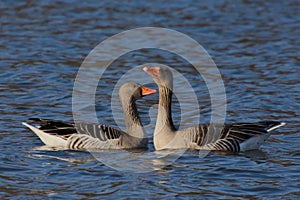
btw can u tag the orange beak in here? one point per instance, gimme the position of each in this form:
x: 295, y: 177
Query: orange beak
x: 152, y: 71
x: 147, y: 91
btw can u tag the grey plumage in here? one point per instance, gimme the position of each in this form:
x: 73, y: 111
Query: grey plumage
x: 86, y: 135
x: 231, y: 137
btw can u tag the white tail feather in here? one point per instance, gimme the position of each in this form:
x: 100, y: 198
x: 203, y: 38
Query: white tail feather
x: 274, y: 127
x: 47, y: 139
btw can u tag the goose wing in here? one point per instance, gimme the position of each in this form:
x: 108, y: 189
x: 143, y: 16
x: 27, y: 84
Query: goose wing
x: 232, y: 137
x: 245, y: 131
x: 100, y: 131
x: 65, y: 130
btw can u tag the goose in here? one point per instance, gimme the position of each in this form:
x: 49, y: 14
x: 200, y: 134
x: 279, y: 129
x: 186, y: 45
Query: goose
x: 233, y: 137
x: 88, y: 136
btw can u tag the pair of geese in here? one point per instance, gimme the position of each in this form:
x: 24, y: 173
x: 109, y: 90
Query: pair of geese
x: 233, y: 137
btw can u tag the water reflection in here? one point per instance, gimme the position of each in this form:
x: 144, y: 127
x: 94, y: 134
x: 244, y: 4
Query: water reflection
x: 134, y: 161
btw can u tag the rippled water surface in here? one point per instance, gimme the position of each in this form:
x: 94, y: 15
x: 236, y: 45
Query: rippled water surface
x: 255, y: 46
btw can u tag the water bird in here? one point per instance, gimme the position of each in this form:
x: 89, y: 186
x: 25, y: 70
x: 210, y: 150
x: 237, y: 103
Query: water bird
x: 233, y: 137
x: 89, y: 136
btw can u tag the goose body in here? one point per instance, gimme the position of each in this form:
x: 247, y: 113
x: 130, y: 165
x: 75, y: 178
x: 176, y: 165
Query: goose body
x: 234, y: 137
x: 88, y: 136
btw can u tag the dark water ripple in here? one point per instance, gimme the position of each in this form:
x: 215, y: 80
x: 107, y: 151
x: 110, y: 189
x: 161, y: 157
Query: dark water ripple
x: 255, y: 45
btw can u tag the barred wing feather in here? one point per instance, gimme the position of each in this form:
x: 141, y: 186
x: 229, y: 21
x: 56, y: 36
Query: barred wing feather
x: 234, y: 137
x: 100, y: 131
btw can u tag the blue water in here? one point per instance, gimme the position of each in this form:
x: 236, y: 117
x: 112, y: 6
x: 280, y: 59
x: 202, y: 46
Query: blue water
x: 255, y: 45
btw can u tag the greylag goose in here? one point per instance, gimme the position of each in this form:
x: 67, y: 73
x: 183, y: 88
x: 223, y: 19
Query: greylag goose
x: 234, y: 137
x: 88, y: 136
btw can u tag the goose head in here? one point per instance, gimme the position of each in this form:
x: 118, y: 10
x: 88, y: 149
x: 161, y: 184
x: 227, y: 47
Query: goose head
x: 135, y: 90
x: 162, y: 76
